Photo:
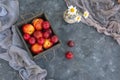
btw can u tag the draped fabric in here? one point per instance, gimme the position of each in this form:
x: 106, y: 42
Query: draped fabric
x: 11, y: 48
x: 104, y: 15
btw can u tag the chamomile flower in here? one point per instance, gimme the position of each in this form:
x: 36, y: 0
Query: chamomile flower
x: 86, y: 14
x: 78, y: 18
x: 72, y: 10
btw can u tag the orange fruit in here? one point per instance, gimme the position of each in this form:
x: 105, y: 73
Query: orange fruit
x: 37, y: 23
x: 47, y: 44
x: 36, y: 48
x: 28, y: 28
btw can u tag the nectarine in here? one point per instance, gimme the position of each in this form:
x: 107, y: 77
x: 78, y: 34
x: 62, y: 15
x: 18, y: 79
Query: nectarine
x: 46, y: 35
x: 28, y: 28
x: 32, y: 40
x: 41, y: 41
x: 46, y: 25
x: 37, y: 34
x: 54, y: 39
x: 69, y: 55
x: 26, y: 36
x: 37, y: 23
x: 47, y: 44
x: 36, y: 48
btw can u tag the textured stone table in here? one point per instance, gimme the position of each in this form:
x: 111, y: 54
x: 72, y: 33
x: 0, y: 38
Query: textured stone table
x: 96, y: 56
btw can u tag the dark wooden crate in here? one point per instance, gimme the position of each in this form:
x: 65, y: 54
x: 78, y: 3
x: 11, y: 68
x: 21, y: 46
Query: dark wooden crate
x: 27, y: 46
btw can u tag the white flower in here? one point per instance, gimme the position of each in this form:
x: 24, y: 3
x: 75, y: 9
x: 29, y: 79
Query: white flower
x: 72, y: 10
x: 86, y: 14
x: 78, y: 18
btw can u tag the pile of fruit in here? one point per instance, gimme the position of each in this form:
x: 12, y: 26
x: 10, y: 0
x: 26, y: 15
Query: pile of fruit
x: 39, y: 35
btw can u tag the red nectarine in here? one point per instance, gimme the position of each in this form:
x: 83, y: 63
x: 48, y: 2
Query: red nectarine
x: 37, y: 34
x: 46, y: 25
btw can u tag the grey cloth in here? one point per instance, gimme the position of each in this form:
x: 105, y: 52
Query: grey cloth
x: 104, y: 15
x: 11, y: 48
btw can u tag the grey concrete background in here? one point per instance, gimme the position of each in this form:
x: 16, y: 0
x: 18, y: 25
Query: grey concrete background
x: 96, y: 56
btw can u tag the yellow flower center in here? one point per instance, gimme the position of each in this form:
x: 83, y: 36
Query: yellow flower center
x: 78, y: 18
x: 72, y: 10
x: 85, y: 14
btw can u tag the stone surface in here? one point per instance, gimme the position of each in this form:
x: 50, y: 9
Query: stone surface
x: 96, y: 56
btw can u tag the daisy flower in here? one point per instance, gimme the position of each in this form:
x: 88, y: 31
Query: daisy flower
x: 72, y: 10
x: 86, y: 14
x: 78, y: 18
